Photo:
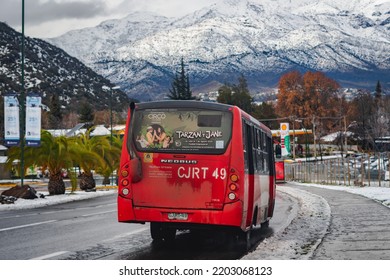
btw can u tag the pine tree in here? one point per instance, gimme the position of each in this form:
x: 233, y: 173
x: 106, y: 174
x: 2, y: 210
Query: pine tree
x: 55, y: 114
x: 181, y: 85
x: 241, y: 95
x: 236, y: 95
x: 86, y: 114
x: 225, y: 94
x: 378, y: 90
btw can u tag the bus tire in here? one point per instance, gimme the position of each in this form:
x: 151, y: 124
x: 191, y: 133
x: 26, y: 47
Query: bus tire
x: 244, y: 240
x: 265, y: 224
x: 159, y: 232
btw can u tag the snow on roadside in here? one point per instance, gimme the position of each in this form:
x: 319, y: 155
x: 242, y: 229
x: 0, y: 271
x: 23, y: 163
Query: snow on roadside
x: 300, y: 238
x: 380, y: 194
x: 53, y: 199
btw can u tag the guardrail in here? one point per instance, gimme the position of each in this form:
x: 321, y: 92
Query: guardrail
x: 354, y: 170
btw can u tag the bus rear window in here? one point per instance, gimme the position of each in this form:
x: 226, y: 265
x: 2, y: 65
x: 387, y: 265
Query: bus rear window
x: 209, y: 120
x: 182, y: 131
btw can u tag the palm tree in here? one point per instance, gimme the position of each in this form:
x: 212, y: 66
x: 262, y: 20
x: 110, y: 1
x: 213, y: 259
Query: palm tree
x: 91, y: 151
x: 111, y: 158
x: 54, y: 154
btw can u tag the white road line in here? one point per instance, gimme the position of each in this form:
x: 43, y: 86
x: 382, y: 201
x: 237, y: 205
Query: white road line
x: 98, y: 213
x: 56, y: 211
x: 50, y: 255
x: 18, y: 216
x: 28, y: 225
x: 136, y: 231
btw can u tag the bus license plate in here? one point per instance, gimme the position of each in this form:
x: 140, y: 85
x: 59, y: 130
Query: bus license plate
x: 178, y: 216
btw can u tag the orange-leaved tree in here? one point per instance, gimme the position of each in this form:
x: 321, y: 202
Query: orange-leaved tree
x: 306, y: 96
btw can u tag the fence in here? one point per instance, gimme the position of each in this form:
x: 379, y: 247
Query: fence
x: 353, y: 170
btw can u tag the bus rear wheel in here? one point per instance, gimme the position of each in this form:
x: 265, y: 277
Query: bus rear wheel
x: 160, y: 232
x: 244, y: 240
x: 265, y: 224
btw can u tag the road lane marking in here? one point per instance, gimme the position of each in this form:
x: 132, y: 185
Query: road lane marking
x: 123, y: 235
x: 50, y: 255
x: 98, y: 213
x: 28, y: 225
x: 18, y: 216
x: 56, y: 211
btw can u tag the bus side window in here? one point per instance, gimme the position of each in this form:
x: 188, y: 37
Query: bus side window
x: 265, y: 152
x: 254, y: 149
x: 248, y: 148
x: 271, y: 164
x: 267, y: 147
x: 245, y: 143
x: 258, y: 152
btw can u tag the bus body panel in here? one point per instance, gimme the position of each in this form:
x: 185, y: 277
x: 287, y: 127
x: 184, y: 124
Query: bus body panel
x: 197, y: 185
x: 190, y: 182
x: 229, y: 216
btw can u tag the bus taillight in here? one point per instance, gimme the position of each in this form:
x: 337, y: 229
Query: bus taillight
x: 233, y: 187
x: 234, y: 178
x: 125, y: 182
x: 125, y: 191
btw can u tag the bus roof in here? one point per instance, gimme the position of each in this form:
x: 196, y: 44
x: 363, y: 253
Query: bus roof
x: 184, y: 104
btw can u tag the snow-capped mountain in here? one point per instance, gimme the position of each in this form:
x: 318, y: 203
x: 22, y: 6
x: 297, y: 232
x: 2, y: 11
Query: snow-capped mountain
x: 261, y: 39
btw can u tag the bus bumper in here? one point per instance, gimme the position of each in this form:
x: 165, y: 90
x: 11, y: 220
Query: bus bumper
x: 230, y: 215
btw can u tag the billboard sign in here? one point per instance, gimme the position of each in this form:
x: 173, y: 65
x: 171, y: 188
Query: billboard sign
x: 11, y: 120
x: 285, y: 139
x: 33, y: 119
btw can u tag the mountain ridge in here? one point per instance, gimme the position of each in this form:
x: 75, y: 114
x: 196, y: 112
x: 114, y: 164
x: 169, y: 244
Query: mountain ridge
x: 50, y: 70
x: 258, y: 39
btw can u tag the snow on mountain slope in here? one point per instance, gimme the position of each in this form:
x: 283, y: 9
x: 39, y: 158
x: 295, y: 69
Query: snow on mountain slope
x: 259, y: 38
x: 51, y: 71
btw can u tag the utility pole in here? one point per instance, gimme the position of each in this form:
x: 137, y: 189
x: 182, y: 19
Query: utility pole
x: 314, y: 135
x: 293, y: 121
x: 345, y: 135
x: 111, y: 89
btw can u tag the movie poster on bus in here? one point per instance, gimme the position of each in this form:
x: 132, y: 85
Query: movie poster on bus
x: 11, y: 120
x: 179, y: 130
x: 33, y: 120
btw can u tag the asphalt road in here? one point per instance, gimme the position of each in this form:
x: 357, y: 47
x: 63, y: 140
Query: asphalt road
x: 89, y: 230
x: 359, y: 229
x: 53, y: 231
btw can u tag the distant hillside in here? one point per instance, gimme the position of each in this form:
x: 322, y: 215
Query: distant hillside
x: 49, y: 70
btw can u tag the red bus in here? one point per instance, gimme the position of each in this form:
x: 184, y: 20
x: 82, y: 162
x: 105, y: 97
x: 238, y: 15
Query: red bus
x: 192, y: 164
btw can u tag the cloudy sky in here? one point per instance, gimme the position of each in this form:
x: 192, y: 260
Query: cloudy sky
x: 50, y: 18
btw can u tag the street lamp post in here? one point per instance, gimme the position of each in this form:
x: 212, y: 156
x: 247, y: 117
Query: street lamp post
x: 111, y: 89
x: 298, y: 121
x: 22, y: 103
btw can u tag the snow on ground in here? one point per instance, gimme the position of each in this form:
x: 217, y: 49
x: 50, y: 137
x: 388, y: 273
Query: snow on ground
x: 301, y: 237
x: 53, y: 199
x: 380, y: 194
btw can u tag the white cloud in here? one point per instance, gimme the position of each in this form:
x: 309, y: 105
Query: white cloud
x: 50, y: 18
